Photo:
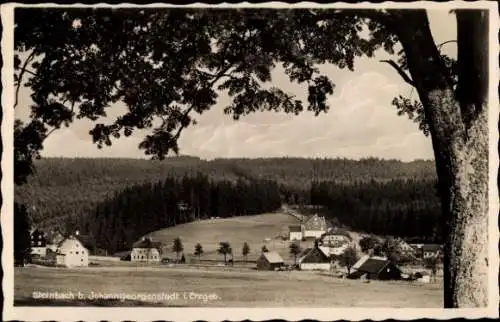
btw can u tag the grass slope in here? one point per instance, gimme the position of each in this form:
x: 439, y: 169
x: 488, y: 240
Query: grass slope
x: 251, y: 229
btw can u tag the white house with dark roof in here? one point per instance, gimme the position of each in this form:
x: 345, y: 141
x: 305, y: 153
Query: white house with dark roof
x: 71, y: 253
x: 295, y: 232
x: 315, y: 258
x: 314, y: 227
x: 145, y: 251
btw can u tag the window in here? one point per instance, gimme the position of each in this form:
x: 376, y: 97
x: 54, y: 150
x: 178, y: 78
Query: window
x: 76, y: 253
x: 39, y: 243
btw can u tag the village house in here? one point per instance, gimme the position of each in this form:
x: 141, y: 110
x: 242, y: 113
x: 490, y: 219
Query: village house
x: 425, y: 251
x: 270, y: 261
x: 295, y: 232
x: 314, y: 227
x: 71, y: 253
x: 371, y: 267
x: 315, y: 258
x: 38, y: 243
x: 335, y: 238
x: 145, y: 251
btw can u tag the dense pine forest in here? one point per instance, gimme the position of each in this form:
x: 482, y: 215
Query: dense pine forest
x: 121, y: 220
x: 379, y: 196
x: 404, y: 208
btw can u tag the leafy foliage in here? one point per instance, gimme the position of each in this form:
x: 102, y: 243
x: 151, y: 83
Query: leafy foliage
x: 224, y: 249
x: 177, y: 247
x: 368, y: 243
x: 198, y: 250
x: 348, y: 258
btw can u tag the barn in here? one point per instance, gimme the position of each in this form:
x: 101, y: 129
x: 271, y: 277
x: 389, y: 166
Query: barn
x: 314, y: 259
x: 378, y: 268
x: 269, y: 261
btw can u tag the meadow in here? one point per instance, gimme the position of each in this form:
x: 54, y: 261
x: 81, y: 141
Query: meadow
x: 217, y: 287
x: 257, y: 231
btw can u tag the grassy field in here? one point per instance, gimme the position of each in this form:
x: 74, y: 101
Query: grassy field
x: 251, y: 229
x: 217, y: 287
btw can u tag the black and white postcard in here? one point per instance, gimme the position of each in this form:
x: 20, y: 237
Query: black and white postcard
x: 239, y: 161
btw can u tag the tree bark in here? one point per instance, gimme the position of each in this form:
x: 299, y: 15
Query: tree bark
x: 459, y: 133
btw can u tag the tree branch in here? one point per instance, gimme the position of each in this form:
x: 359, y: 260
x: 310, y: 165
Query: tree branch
x: 400, y: 71
x: 28, y: 71
x: 21, y: 74
x: 217, y: 76
x: 444, y: 43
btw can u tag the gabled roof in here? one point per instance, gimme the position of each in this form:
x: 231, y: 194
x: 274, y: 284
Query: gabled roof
x: 317, y: 221
x: 295, y: 228
x: 146, y: 243
x: 315, y: 255
x: 69, y: 244
x: 272, y: 257
x: 373, y: 265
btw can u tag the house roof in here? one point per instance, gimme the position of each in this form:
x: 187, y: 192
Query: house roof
x: 373, y: 265
x: 295, y: 228
x: 146, y: 243
x: 315, y: 255
x: 68, y: 244
x: 273, y: 257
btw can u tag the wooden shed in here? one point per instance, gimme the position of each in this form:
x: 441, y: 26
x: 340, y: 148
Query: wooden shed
x: 269, y: 261
x: 376, y: 268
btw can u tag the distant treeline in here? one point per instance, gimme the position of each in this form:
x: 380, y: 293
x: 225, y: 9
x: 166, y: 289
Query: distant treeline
x: 118, y: 222
x: 64, y: 189
x: 404, y: 208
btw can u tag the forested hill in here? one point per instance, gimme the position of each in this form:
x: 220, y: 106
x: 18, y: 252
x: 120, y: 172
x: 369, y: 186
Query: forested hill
x: 65, y: 187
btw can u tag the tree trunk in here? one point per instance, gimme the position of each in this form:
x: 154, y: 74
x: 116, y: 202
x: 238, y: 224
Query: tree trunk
x: 466, y: 246
x: 459, y: 132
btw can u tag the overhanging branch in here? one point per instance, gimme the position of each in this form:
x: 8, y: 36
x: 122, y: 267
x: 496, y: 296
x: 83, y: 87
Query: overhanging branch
x: 21, y: 74
x: 400, y: 71
x: 446, y: 42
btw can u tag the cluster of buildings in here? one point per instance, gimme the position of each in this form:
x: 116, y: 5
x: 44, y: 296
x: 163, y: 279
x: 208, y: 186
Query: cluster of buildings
x: 330, y: 243
x: 74, y: 250
x: 68, y: 252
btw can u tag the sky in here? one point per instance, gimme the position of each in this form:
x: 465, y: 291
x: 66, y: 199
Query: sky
x: 361, y: 121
